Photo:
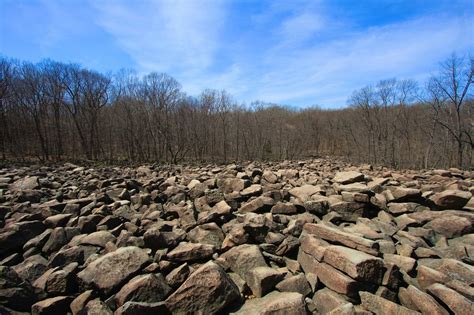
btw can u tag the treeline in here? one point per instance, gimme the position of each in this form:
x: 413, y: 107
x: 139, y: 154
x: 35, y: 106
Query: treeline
x: 56, y: 111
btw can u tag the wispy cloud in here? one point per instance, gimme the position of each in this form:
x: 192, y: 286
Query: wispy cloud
x: 167, y: 35
x: 310, y: 57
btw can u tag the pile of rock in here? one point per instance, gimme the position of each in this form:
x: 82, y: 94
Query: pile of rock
x: 304, y: 237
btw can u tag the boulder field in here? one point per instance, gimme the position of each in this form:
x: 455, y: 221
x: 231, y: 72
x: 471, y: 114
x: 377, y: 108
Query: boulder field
x: 296, y: 237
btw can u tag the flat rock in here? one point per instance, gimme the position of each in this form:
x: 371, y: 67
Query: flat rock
x: 335, y: 235
x: 108, y: 272
x: 305, y: 192
x: 348, y: 177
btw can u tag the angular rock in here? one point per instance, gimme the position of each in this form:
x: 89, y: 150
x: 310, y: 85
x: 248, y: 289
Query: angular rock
x: 451, y: 199
x: 133, y: 308
x: 425, y: 303
x: 112, y: 270
x: 99, y: 238
x: 457, y: 303
x: 358, y: 265
x: 190, y: 252
x: 348, y: 177
x: 297, y: 283
x: 305, y: 192
x: 54, y: 305
x: 379, y: 305
x: 262, y: 280
x: 148, y: 288
x: 275, y: 303
x: 335, y: 235
x: 208, y: 290
x: 243, y: 258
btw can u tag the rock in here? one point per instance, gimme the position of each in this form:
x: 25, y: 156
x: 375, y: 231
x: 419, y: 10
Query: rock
x: 327, y: 300
x: 337, y: 281
x: 332, y: 234
x: 297, y: 283
x: 209, y: 233
x: 27, y: 183
x: 259, y: 204
x: 253, y: 190
x: 14, y: 292
x: 113, y: 269
x: 348, y: 177
x: 190, y: 252
x: 243, y: 258
x: 425, y: 303
x: 262, y: 280
x: 358, y: 265
x: 229, y: 185
x: 148, y: 288
x: 350, y: 211
x: 18, y: 234
x: 54, y: 305
x: 451, y: 199
x: 457, y: 303
x: 275, y: 303
x: 406, y: 264
x: 305, y: 192
x: 208, y: 290
x: 96, y: 307
x: 56, y: 240
x: 57, y: 220
x: 284, y: 208
x: 133, y: 308
x: 178, y: 275
x: 452, y: 226
x: 379, y: 305
x: 31, y: 268
x: 99, y: 238
x: 80, y: 302
x: 62, y: 281
x: 402, y: 194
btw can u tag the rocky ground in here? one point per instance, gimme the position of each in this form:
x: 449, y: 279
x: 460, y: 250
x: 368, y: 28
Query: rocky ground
x: 306, y: 237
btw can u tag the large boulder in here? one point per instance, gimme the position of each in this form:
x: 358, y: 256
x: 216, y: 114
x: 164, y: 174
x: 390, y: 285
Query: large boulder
x: 209, y: 290
x: 144, y: 288
x: 451, y: 199
x: 113, y: 269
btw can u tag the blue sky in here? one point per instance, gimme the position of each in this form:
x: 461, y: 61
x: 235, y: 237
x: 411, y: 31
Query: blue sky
x: 292, y: 52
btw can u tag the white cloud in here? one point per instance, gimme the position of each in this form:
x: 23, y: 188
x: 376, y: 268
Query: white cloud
x: 165, y: 35
x: 301, y: 27
x: 186, y: 39
x: 326, y: 73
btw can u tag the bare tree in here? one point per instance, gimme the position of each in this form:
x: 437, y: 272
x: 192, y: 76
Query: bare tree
x: 449, y: 91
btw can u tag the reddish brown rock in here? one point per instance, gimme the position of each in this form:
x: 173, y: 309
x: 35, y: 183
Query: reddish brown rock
x: 358, y: 265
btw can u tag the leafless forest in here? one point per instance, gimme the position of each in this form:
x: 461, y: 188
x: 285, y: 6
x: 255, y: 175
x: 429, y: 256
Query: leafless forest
x: 55, y: 111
